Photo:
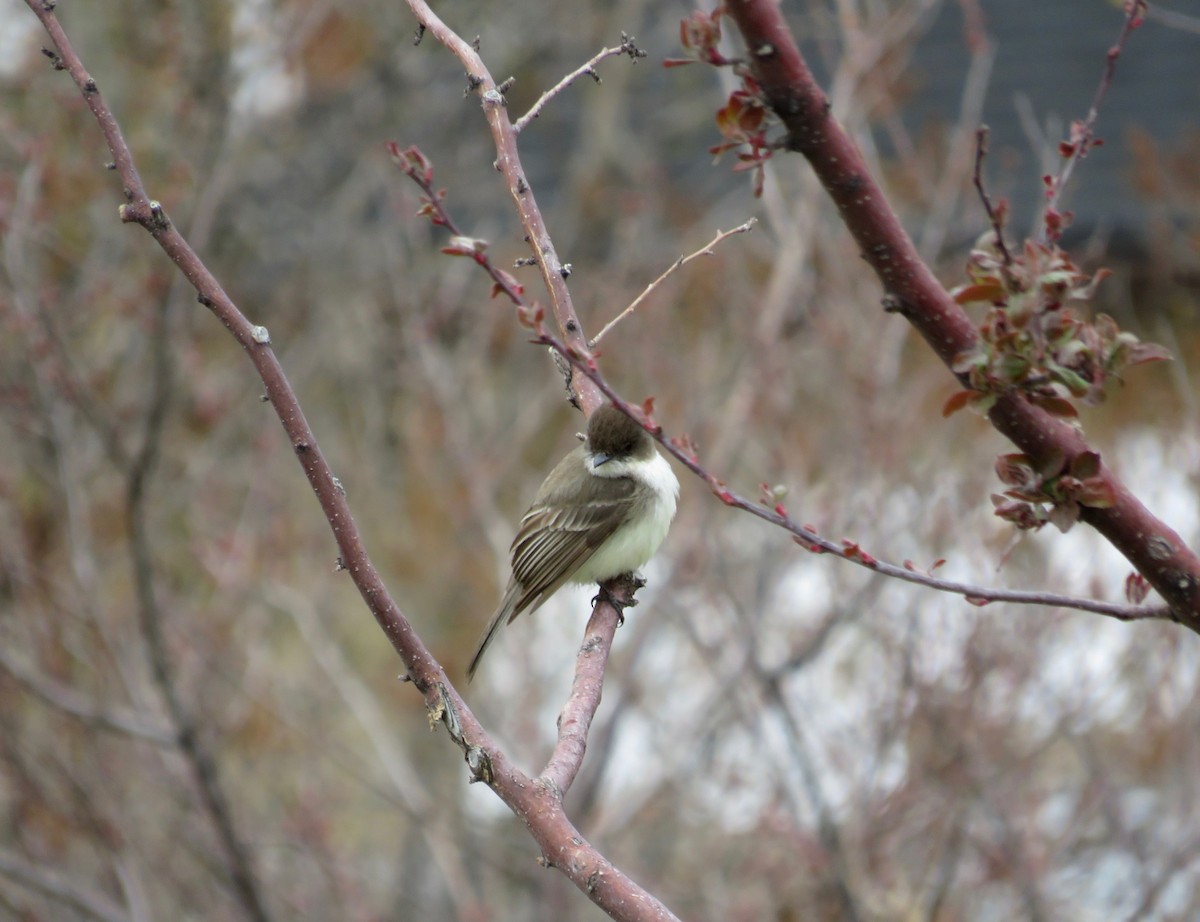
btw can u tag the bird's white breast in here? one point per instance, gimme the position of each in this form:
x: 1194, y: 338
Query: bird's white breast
x: 635, y: 542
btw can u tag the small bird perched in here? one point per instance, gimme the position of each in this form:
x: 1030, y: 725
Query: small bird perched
x: 603, y: 511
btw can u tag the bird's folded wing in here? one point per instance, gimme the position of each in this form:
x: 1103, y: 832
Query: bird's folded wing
x: 554, y: 541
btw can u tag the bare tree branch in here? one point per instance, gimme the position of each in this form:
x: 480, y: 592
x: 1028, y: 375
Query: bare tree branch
x: 538, y: 804
x: 706, y: 250
x: 74, y: 702
x: 626, y: 47
x: 88, y: 901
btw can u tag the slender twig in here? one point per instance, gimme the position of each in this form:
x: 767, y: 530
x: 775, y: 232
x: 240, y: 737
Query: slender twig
x: 508, y: 162
x: 981, y: 149
x: 416, y: 166
x: 706, y: 250
x: 1082, y: 138
x: 626, y: 47
x: 365, y: 707
x: 807, y: 538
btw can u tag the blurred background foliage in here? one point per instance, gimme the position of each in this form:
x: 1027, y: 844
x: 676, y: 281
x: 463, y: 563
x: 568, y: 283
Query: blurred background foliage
x: 783, y: 736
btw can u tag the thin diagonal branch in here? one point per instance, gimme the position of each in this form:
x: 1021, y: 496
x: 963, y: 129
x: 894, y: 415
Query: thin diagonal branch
x: 706, y: 250
x: 626, y: 47
x: 86, y: 901
x: 1083, y: 133
x: 849, y: 551
x: 83, y: 707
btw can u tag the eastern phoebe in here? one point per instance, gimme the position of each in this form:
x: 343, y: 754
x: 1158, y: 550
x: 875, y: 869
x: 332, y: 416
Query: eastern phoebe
x: 603, y: 511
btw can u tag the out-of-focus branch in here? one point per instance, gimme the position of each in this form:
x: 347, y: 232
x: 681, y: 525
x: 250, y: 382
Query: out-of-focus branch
x: 79, y: 705
x: 539, y: 805
x: 86, y: 901
x: 238, y: 858
x: 407, y: 784
x: 911, y: 289
x: 683, y: 451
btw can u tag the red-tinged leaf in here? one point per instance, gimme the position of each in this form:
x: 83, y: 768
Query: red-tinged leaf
x: 506, y: 283
x: 1014, y: 469
x: 781, y: 510
x: 1055, y: 406
x: 685, y: 444
x: 1088, y: 291
x: 727, y: 120
x: 1137, y: 587
x: 956, y: 403
x: 1022, y: 515
x: 987, y: 292
x: 1096, y: 493
x: 855, y: 552
x: 530, y: 317
x: 977, y: 601
x: 648, y: 419
x: 412, y: 161
x: 935, y: 565
x: 910, y: 566
x: 676, y: 62
x: 1141, y: 353
x: 700, y: 34
x: 741, y: 116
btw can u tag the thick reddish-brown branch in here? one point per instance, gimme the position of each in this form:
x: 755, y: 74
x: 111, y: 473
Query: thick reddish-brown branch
x: 1154, y: 549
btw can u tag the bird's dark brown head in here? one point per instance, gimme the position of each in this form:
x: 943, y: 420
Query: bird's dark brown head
x: 615, y: 436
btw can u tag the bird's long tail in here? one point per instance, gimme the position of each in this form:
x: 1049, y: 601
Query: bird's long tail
x: 503, y: 614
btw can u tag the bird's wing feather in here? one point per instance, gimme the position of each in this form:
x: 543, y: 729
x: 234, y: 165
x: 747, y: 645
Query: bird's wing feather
x: 554, y: 541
